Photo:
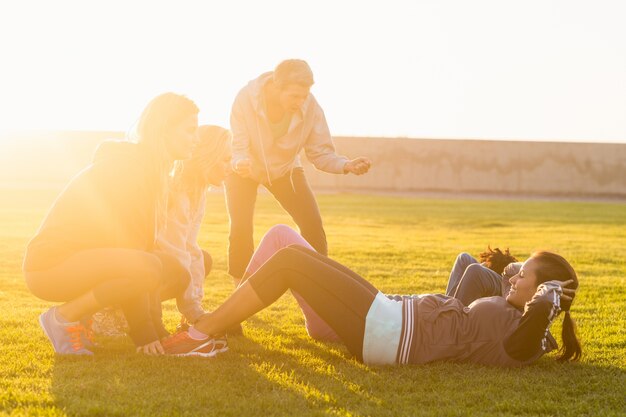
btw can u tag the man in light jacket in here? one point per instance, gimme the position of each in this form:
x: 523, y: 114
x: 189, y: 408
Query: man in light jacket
x: 273, y: 118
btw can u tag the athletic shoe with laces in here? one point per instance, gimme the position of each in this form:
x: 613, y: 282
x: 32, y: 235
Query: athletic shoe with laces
x: 88, y: 333
x: 66, y: 338
x: 181, y: 344
x: 184, y: 325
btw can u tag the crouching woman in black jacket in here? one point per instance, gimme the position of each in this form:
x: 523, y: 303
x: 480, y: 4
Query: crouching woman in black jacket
x: 95, y: 246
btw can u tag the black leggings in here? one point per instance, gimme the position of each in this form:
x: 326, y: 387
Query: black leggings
x: 293, y: 193
x: 136, y: 280
x: 340, y: 296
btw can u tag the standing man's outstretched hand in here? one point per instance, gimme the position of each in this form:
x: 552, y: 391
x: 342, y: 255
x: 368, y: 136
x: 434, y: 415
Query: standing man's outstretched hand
x: 358, y: 166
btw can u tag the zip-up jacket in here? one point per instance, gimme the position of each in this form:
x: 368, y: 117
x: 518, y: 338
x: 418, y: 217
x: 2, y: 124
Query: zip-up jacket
x: 489, y: 331
x: 272, y: 159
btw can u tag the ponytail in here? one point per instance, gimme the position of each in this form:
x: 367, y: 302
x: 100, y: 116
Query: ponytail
x: 555, y: 267
x: 571, y: 350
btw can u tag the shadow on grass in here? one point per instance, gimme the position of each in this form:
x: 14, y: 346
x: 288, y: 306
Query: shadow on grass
x: 248, y: 380
x: 288, y: 376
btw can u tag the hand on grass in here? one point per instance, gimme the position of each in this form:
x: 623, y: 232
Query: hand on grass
x: 153, y: 348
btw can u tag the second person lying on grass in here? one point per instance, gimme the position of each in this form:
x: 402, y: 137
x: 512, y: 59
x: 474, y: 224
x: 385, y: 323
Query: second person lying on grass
x: 418, y: 329
x: 470, y: 279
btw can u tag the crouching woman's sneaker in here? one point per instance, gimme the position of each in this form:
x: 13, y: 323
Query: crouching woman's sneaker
x: 66, y: 338
x: 182, y: 344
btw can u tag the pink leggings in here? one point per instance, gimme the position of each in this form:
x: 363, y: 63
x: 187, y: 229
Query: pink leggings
x: 278, y: 237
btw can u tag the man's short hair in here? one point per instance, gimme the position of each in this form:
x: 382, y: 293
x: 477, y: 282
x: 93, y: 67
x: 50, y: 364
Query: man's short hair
x: 293, y: 71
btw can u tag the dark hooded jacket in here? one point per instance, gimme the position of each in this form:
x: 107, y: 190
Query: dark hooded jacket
x: 109, y: 204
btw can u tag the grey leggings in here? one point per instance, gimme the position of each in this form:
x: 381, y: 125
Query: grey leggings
x: 470, y: 280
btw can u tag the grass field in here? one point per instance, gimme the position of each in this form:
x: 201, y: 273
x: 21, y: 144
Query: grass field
x: 402, y: 245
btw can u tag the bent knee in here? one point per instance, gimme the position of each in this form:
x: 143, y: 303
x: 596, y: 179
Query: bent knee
x: 40, y: 286
x: 173, y: 273
x: 283, y: 235
x: 474, y: 269
x: 149, y: 272
x: 465, y: 258
x: 177, y: 278
x: 288, y: 254
x: 281, y: 229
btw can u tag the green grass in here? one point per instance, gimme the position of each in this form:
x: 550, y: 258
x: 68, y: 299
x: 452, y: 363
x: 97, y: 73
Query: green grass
x: 402, y: 245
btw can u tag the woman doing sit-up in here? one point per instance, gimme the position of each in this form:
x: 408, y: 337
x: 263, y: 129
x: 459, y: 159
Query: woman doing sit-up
x: 380, y: 329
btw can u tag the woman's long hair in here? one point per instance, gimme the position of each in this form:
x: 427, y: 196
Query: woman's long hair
x: 157, y: 121
x: 555, y: 267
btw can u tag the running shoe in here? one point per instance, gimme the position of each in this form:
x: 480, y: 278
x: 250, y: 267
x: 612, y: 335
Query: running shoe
x: 66, y: 338
x: 181, y: 344
x: 88, y: 335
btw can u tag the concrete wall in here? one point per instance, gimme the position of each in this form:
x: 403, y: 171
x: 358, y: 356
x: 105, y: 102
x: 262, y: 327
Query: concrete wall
x: 399, y: 165
x: 474, y: 166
